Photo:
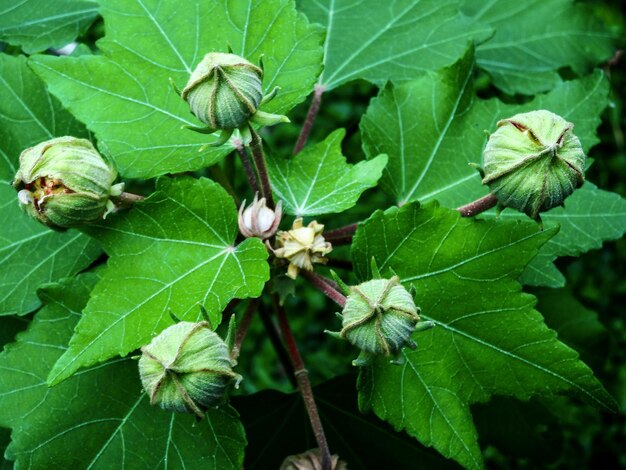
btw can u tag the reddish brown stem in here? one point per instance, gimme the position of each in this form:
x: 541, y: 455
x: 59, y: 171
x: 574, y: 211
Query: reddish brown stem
x: 244, y: 326
x: 128, y: 199
x: 248, y: 167
x: 342, y: 235
x: 310, y: 119
x: 304, y: 384
x: 279, y: 347
x: 479, y: 205
x: 259, y: 162
x: 326, y: 286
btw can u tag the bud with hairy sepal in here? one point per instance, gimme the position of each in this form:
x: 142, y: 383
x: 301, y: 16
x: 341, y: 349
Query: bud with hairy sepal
x: 533, y: 162
x: 225, y: 92
x: 186, y: 368
x: 65, y: 182
x: 302, y: 246
x: 311, y: 460
x: 258, y: 220
x: 379, y: 316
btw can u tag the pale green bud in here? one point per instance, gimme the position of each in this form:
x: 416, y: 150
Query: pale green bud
x: 224, y: 90
x: 533, y: 161
x: 65, y: 182
x: 311, y: 460
x: 380, y: 316
x: 186, y: 368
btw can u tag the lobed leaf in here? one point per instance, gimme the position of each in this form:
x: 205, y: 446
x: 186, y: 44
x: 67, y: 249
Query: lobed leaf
x: 170, y: 253
x: 100, y: 418
x: 380, y: 41
x: 31, y: 254
x: 533, y: 40
x: 488, y: 339
x: 319, y: 180
x: 125, y: 97
x: 430, y: 152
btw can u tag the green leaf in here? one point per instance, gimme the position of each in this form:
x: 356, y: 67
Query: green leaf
x: 125, y: 96
x: 101, y: 418
x: 31, y: 254
x: 319, y: 180
x: 363, y: 442
x: 380, y: 41
x: 488, y: 339
x: 430, y: 151
x: 37, y: 25
x: 534, y: 39
x: 577, y: 326
x: 169, y: 253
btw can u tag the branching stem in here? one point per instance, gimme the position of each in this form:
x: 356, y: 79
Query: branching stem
x: 326, y: 286
x: 279, y: 347
x: 259, y: 161
x: 128, y: 198
x: 244, y: 326
x: 479, y: 205
x: 310, y: 119
x: 342, y: 235
x: 304, y: 384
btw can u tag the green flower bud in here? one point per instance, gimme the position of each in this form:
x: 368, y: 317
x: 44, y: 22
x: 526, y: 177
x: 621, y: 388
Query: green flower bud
x: 224, y: 90
x: 65, y: 182
x: 379, y: 317
x: 533, y: 161
x: 186, y: 368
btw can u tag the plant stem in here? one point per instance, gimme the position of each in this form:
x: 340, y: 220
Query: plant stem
x: 341, y: 236
x: 326, y: 286
x: 243, y: 328
x: 279, y: 347
x: 310, y: 119
x: 479, y: 205
x: 304, y: 385
x: 128, y: 198
x: 259, y: 161
x: 248, y: 168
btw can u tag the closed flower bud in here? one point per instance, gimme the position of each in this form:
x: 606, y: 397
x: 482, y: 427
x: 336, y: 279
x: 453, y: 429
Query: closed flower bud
x: 65, y: 182
x: 311, y: 460
x: 379, y: 317
x: 225, y: 92
x: 186, y: 368
x: 302, y: 247
x: 533, y: 161
x: 258, y: 220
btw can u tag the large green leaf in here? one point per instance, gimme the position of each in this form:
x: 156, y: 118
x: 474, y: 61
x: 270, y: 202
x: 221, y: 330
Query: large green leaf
x: 101, y: 418
x: 363, y: 442
x: 319, y: 180
x: 170, y: 253
x: 30, y: 254
x: 37, y: 25
x: 125, y: 98
x: 534, y: 39
x: 380, y: 41
x: 430, y: 151
x: 488, y: 339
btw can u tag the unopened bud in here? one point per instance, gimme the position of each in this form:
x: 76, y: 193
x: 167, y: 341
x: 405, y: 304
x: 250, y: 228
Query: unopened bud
x: 311, y: 460
x: 258, y: 220
x: 533, y: 161
x: 65, y: 182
